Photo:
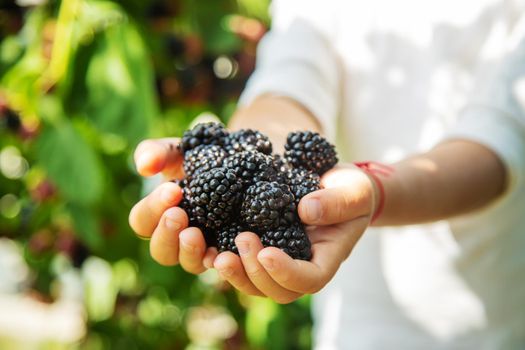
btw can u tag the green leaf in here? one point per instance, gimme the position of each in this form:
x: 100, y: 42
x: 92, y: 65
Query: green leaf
x: 119, y: 84
x: 71, y: 163
x: 86, y: 226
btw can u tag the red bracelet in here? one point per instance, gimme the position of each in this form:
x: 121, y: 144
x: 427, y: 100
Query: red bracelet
x: 374, y: 169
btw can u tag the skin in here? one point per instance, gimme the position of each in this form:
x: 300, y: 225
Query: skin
x: 456, y: 177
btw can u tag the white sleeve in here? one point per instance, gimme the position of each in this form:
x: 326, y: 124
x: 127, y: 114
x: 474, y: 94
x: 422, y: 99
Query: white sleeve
x: 296, y: 59
x: 495, y: 115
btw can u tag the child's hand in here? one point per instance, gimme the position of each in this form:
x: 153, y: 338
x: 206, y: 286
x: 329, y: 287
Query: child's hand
x: 157, y: 217
x: 343, y: 213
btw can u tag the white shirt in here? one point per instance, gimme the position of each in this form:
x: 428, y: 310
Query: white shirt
x: 388, y: 78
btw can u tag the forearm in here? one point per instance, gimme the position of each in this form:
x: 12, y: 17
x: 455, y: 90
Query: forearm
x: 276, y: 117
x: 454, y: 178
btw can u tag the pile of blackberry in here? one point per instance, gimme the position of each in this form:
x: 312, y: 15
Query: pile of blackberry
x: 234, y: 183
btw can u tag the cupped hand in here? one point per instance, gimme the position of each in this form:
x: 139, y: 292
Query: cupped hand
x: 156, y: 216
x: 338, y: 215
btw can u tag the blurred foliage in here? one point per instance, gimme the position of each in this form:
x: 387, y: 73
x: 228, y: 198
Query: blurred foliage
x: 81, y: 83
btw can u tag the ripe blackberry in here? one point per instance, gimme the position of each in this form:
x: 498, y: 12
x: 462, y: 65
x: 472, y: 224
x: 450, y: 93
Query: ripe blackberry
x: 226, y: 237
x: 203, y: 158
x: 268, y: 205
x: 248, y: 140
x: 302, y: 182
x: 203, y: 134
x: 187, y: 205
x: 280, y: 164
x: 292, y: 240
x: 307, y: 149
x: 213, y: 196
x: 251, y: 167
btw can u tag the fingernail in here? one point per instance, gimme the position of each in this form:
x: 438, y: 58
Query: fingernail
x: 269, y: 264
x: 243, y: 247
x: 226, y: 272
x: 312, y: 209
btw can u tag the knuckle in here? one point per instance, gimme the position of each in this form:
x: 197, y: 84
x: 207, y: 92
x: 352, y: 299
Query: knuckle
x: 254, y: 271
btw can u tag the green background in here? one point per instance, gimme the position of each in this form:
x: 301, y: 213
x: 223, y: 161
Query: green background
x: 81, y: 83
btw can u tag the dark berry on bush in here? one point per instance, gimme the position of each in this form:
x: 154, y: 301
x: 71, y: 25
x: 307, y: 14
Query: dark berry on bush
x: 203, y: 158
x: 226, y: 237
x: 248, y: 140
x: 10, y: 119
x: 268, y: 205
x: 251, y: 167
x: 302, y: 182
x: 213, y: 197
x: 292, y: 240
x: 309, y: 150
x: 204, y: 134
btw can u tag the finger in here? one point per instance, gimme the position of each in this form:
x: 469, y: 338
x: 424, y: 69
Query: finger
x: 231, y: 269
x: 192, y: 248
x: 145, y: 215
x: 164, y: 244
x: 328, y: 251
x: 249, y: 246
x: 160, y: 155
x: 348, y: 194
x: 209, y: 257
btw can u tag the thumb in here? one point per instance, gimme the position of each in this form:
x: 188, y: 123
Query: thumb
x: 340, y: 201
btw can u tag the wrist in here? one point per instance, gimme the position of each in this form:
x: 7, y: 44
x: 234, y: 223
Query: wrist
x: 274, y: 116
x: 376, y: 172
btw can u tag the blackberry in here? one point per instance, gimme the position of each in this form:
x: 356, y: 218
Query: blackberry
x: 292, y: 240
x: 248, y: 140
x: 203, y: 158
x: 251, y: 167
x: 226, y: 237
x: 280, y: 164
x: 302, y: 182
x: 209, y: 234
x: 203, y: 134
x: 268, y: 205
x: 213, y: 197
x: 309, y: 150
